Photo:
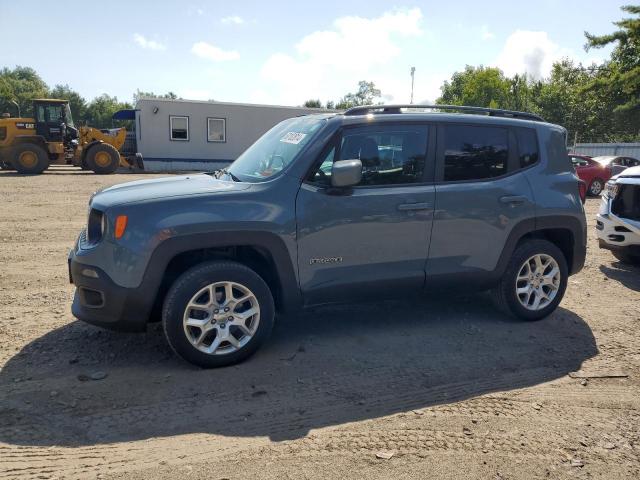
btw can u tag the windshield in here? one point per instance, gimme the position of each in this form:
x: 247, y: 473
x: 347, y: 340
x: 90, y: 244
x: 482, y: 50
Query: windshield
x: 276, y: 149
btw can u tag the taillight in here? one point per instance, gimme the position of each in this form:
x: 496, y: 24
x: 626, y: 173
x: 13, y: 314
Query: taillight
x: 582, y: 190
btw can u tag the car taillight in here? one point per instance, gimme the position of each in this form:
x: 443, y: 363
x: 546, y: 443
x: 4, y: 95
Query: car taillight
x: 582, y: 189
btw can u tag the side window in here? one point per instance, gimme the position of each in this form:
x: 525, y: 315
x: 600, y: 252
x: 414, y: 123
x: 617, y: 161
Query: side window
x: 390, y: 155
x: 179, y: 128
x: 475, y: 153
x: 55, y: 114
x: 528, y: 148
x: 216, y: 129
x: 40, y: 118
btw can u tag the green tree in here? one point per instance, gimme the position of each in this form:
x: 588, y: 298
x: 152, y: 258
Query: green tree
x: 101, y: 109
x: 312, y: 104
x: 22, y: 85
x: 624, y: 67
x: 477, y: 86
x: 140, y: 94
x: 367, y: 94
x: 77, y: 103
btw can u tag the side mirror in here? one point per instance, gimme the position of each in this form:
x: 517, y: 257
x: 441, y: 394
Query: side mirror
x: 346, y: 173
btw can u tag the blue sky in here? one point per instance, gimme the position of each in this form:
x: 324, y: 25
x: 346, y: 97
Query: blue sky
x: 286, y: 52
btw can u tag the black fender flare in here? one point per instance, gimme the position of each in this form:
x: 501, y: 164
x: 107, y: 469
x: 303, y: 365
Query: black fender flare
x: 539, y: 225
x: 171, y: 247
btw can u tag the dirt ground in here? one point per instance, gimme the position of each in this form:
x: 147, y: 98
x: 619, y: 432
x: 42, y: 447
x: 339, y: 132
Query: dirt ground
x: 448, y: 386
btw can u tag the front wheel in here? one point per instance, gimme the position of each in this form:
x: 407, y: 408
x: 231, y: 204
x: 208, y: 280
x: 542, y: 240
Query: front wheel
x: 218, y: 314
x: 102, y: 158
x: 534, y: 281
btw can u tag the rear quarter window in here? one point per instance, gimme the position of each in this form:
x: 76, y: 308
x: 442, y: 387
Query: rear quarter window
x: 528, y: 153
x: 557, y: 152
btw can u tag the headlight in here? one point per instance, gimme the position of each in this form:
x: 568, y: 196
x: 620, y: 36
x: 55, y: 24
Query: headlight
x: 96, y: 226
x: 611, y: 189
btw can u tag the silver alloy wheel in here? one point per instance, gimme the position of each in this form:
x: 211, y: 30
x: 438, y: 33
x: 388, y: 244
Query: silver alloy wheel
x: 595, y: 188
x: 538, y: 282
x: 221, y: 318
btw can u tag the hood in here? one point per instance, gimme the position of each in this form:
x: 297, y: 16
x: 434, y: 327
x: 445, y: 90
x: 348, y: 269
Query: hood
x: 178, y: 186
x: 629, y: 175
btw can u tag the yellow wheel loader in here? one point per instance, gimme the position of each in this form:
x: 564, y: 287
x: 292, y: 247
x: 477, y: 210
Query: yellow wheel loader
x: 30, y: 145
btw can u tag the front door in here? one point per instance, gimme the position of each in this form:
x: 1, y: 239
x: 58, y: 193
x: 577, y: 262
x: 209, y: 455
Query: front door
x: 372, y: 239
x: 49, y: 121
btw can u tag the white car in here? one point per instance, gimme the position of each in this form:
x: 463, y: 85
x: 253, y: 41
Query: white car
x: 618, y: 222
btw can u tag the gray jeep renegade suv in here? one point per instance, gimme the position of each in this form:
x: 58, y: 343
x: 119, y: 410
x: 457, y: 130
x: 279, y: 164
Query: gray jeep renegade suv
x: 377, y: 201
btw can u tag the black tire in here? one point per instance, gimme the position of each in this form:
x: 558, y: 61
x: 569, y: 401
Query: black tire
x: 102, y: 158
x: 30, y: 159
x: 504, y: 294
x: 596, y: 187
x: 625, y: 257
x: 6, y: 166
x: 189, y: 284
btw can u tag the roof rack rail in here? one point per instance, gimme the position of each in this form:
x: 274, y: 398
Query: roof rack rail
x: 492, y: 112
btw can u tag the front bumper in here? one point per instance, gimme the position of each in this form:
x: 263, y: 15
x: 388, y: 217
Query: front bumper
x: 99, y: 301
x: 616, y: 234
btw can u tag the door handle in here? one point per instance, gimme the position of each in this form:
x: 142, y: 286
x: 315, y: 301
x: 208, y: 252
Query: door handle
x: 414, y: 206
x: 513, y: 199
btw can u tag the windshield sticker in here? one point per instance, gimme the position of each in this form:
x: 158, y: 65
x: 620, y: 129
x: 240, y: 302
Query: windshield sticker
x: 293, y: 137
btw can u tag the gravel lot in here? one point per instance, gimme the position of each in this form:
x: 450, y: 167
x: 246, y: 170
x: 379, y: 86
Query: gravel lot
x: 448, y: 386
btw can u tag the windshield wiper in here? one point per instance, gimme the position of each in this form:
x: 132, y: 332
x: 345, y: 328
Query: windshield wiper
x: 225, y: 171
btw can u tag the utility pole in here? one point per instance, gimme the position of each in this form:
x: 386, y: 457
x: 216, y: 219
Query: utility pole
x: 413, y: 71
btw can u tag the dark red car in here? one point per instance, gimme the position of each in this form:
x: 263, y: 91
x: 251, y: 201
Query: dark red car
x: 592, y: 173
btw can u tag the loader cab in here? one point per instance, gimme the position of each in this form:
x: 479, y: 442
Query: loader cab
x: 53, y: 120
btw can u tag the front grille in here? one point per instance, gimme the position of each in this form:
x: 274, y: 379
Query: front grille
x: 627, y: 202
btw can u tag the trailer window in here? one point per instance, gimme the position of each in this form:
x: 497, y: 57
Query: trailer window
x: 216, y: 130
x: 179, y: 128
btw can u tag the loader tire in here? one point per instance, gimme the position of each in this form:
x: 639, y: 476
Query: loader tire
x: 30, y: 159
x: 102, y: 158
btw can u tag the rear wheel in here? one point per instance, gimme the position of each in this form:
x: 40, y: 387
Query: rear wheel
x: 102, y: 158
x: 534, y: 281
x: 217, y: 314
x: 596, y: 187
x: 29, y: 158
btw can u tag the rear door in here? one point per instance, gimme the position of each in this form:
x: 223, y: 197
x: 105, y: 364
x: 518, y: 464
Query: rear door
x: 372, y: 239
x: 481, y: 193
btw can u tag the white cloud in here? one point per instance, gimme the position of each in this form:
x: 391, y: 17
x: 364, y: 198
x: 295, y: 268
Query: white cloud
x: 213, y: 53
x: 328, y: 63
x: 486, y: 34
x: 146, y: 43
x: 530, y: 52
x: 232, y: 20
